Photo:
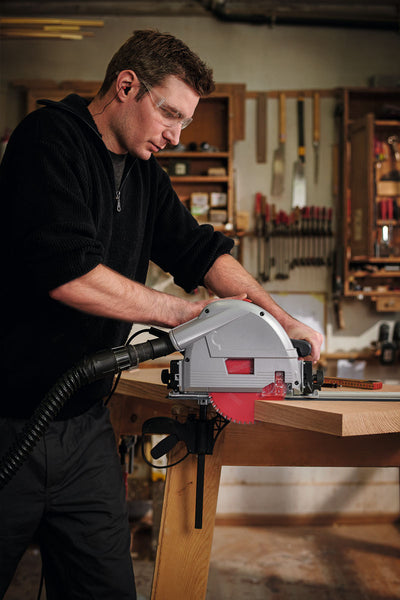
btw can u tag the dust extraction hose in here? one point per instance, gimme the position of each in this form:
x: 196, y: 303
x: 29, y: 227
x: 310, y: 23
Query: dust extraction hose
x: 98, y: 366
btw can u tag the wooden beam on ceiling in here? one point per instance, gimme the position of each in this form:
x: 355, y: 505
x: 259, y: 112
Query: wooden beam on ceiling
x: 55, y: 35
x: 12, y: 28
x: 5, y: 21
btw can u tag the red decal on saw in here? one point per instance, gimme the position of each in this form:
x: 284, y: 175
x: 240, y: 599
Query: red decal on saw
x: 240, y: 366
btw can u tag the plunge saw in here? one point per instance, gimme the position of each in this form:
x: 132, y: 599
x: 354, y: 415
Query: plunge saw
x: 235, y: 353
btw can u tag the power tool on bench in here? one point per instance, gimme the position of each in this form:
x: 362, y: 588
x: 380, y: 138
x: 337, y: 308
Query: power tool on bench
x: 234, y: 353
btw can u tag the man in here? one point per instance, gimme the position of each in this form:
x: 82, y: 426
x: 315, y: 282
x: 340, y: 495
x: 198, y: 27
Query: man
x: 85, y: 207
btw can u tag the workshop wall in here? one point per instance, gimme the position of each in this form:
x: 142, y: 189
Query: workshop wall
x: 263, y: 58
x: 280, y: 58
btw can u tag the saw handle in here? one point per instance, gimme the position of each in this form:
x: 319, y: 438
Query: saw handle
x: 303, y: 347
x: 300, y: 129
x: 282, y: 118
x: 316, y: 118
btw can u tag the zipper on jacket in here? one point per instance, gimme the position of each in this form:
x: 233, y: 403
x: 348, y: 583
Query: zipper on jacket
x: 118, y: 192
x: 118, y: 198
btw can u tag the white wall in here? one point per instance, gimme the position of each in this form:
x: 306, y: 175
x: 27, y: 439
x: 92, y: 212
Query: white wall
x: 305, y: 491
x: 264, y: 58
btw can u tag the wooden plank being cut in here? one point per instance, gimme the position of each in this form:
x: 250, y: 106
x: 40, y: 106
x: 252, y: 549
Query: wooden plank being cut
x: 344, y: 418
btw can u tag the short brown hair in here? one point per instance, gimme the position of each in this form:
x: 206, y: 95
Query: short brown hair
x: 154, y: 56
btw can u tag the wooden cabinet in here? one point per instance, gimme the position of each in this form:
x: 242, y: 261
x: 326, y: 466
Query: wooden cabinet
x: 370, y: 196
x: 37, y: 89
x: 203, y: 168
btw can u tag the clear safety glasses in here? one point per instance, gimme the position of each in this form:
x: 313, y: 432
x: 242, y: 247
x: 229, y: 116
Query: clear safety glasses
x: 170, y: 116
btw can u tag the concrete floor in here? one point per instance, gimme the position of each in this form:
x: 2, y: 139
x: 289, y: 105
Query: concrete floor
x: 346, y: 562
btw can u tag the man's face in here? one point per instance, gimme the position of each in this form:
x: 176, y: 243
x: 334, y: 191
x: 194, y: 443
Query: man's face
x: 146, y: 127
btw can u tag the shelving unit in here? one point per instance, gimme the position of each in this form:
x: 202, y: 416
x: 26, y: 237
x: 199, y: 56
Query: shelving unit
x: 208, y: 144
x: 370, y: 195
x: 199, y: 163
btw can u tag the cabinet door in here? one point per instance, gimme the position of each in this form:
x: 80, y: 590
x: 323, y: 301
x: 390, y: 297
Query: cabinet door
x: 361, y: 211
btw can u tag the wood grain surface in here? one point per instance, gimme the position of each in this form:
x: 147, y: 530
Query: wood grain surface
x: 341, y: 418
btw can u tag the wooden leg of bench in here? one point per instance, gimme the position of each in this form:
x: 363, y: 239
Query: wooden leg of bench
x: 183, y: 553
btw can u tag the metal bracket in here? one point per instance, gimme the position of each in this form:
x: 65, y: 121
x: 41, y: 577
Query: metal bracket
x: 199, y: 433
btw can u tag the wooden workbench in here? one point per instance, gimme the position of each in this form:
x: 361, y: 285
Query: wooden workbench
x: 286, y: 433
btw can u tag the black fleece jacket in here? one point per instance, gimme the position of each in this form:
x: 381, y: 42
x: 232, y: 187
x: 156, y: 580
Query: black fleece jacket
x: 62, y: 216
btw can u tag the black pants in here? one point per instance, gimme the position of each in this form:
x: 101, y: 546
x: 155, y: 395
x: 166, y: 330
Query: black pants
x: 70, y: 497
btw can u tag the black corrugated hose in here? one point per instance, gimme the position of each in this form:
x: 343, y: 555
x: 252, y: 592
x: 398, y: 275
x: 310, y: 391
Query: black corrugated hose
x: 101, y: 364
x: 36, y: 426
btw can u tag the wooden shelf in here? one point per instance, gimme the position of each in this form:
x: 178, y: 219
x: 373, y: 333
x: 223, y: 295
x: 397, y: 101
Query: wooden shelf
x: 372, y: 293
x: 380, y: 122
x: 386, y: 123
x: 377, y: 274
x: 375, y: 260
x: 389, y: 222
x: 218, y: 121
x: 184, y: 154
x: 199, y: 178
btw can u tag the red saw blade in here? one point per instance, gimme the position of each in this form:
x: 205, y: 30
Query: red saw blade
x: 235, y: 406
x: 239, y: 406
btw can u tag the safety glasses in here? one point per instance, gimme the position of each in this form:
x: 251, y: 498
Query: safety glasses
x: 170, y: 116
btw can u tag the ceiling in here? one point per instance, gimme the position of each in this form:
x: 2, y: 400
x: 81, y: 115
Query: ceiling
x: 373, y: 14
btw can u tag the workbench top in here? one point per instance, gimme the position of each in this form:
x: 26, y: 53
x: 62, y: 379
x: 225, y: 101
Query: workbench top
x: 339, y: 418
